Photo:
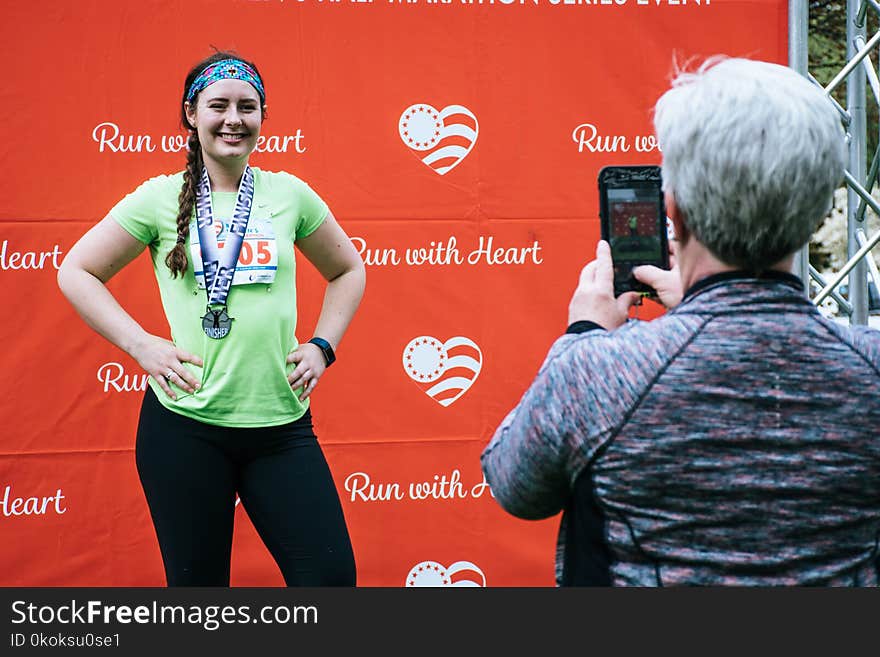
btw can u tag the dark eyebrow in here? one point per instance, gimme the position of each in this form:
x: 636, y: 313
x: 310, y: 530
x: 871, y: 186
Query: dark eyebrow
x: 223, y: 99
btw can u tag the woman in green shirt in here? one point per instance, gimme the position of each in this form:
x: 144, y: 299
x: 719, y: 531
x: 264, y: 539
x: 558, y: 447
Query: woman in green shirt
x: 227, y: 410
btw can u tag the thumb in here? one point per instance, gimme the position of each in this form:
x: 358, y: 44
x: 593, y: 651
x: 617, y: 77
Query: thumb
x: 649, y: 274
x: 604, y: 264
x: 294, y: 356
x: 588, y: 273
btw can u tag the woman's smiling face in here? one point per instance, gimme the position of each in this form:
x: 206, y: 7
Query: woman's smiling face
x: 227, y: 116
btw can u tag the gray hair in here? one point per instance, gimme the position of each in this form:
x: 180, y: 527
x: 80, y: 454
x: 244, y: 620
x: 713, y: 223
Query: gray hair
x: 752, y: 153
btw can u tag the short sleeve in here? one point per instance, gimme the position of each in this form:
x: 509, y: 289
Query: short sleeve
x: 312, y: 211
x: 136, y: 213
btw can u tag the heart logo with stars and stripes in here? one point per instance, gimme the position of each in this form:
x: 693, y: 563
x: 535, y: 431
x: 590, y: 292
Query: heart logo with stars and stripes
x: 432, y: 573
x: 440, y: 138
x: 444, y: 370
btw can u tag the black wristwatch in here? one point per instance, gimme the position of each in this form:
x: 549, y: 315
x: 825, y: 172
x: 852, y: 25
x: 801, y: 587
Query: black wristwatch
x: 326, y: 349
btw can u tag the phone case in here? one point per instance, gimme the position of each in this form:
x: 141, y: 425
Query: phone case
x: 633, y: 222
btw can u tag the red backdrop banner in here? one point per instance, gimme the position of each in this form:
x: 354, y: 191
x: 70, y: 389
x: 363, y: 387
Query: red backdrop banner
x: 457, y: 142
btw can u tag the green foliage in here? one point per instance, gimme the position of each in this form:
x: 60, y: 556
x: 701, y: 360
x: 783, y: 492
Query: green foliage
x: 827, y: 39
x: 827, y: 56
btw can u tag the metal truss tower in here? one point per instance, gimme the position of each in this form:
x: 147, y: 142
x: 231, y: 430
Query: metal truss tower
x: 860, y: 178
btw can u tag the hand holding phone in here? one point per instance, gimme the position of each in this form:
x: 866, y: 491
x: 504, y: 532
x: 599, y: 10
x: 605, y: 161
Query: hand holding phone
x: 632, y: 218
x: 594, y: 300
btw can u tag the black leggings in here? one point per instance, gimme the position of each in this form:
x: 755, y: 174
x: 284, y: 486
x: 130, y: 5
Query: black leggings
x: 190, y: 473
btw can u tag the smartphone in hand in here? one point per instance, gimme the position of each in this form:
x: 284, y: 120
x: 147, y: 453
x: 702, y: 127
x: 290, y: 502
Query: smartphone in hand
x: 632, y: 218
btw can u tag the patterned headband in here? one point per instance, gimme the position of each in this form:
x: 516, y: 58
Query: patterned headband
x: 233, y: 69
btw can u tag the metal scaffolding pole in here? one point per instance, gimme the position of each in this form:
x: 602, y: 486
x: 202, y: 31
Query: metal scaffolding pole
x: 798, y: 23
x: 855, y: 104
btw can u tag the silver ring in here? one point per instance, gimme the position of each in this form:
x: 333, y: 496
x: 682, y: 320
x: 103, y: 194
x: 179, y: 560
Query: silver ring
x: 170, y: 374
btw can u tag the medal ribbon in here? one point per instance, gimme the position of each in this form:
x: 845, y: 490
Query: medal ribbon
x: 219, y: 265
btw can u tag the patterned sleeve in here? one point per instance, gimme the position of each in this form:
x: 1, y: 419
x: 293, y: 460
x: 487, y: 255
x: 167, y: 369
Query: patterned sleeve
x: 867, y: 342
x: 525, y: 463
x: 136, y: 213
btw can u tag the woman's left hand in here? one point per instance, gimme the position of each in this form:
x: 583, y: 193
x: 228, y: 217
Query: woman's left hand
x: 310, y: 365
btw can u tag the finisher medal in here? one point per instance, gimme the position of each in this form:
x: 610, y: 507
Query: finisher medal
x: 220, y: 267
x: 216, y: 323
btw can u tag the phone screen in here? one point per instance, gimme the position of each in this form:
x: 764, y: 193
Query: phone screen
x: 634, y: 234
x: 633, y: 221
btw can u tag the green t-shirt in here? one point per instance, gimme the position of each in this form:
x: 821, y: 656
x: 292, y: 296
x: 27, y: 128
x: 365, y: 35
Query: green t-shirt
x: 244, y: 378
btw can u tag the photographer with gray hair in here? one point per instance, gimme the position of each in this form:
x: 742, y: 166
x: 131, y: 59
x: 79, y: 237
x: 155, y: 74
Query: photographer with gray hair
x: 733, y: 441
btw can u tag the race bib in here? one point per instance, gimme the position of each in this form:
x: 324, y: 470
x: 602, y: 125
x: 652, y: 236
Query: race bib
x: 258, y: 260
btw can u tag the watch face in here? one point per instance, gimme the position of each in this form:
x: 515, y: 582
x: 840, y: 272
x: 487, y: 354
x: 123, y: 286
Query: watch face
x: 326, y: 350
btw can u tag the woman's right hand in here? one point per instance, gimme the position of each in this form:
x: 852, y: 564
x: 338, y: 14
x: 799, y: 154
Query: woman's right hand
x: 163, y: 360
x: 103, y: 251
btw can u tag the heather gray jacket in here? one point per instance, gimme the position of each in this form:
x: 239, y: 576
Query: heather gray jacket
x: 733, y: 441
